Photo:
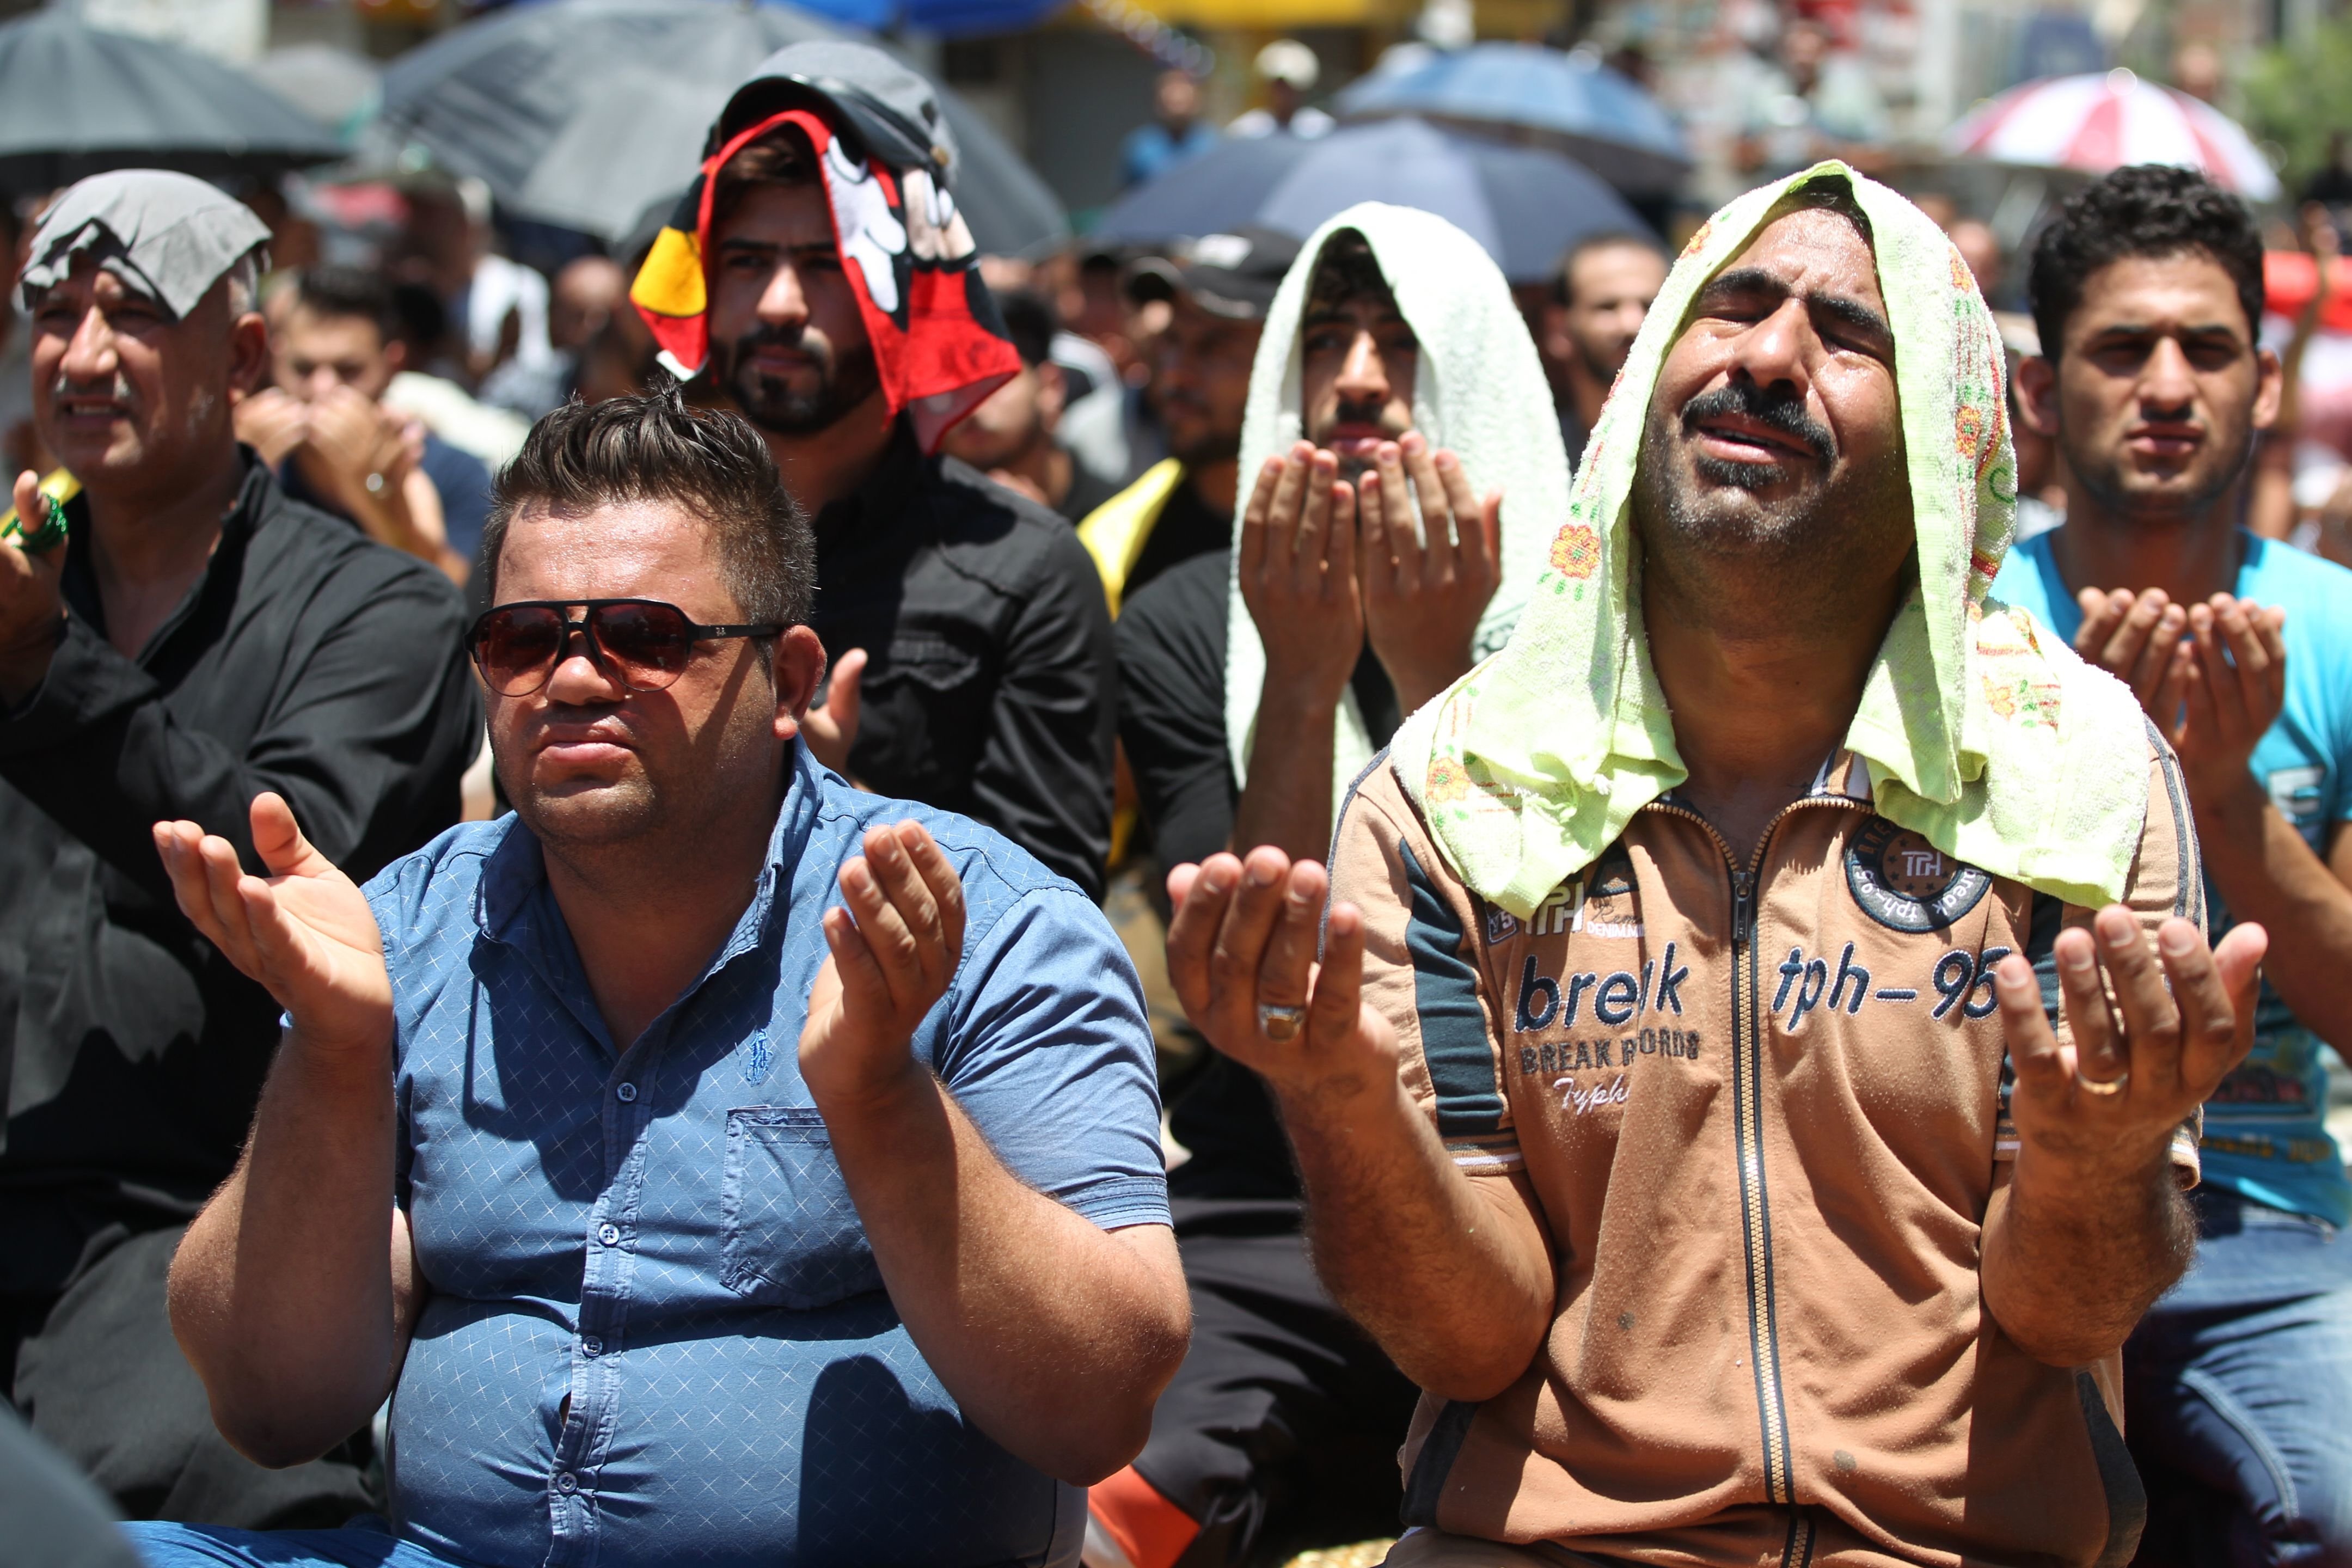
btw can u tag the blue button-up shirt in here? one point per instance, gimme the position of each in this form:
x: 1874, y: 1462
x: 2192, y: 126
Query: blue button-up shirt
x: 655, y: 1331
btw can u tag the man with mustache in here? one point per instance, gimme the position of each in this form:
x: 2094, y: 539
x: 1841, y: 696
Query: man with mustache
x: 830, y: 294
x: 1217, y: 288
x: 1402, y: 458
x: 1710, y: 1091
x: 195, y: 637
x: 2148, y: 295
x: 1603, y: 293
x: 727, y: 1165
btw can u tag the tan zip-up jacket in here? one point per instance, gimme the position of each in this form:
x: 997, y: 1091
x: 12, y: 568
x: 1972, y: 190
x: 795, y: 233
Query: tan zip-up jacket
x: 1759, y: 1110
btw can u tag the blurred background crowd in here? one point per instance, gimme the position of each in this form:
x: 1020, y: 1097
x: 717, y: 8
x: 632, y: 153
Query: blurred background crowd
x: 459, y: 190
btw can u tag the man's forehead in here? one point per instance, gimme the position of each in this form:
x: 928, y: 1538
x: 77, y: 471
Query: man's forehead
x: 1817, y: 246
x: 630, y: 541
x: 776, y: 216
x: 1364, y: 305
x: 306, y: 321
x: 2186, y: 288
x: 87, y: 275
x: 1618, y: 259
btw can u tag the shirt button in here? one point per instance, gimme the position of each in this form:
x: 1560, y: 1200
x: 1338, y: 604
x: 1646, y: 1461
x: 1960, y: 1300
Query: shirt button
x: 626, y: 1094
x: 592, y: 1346
x: 609, y: 1234
x: 566, y: 1482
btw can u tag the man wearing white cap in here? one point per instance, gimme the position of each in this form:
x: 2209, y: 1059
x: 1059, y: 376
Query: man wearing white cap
x: 175, y: 637
x: 1289, y: 70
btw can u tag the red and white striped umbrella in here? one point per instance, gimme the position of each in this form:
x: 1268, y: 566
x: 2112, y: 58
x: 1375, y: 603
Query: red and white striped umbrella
x: 2105, y: 120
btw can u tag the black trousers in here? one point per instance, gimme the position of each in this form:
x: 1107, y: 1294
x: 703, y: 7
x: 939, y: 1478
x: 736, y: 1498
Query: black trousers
x: 1282, y: 1427
x: 96, y: 1371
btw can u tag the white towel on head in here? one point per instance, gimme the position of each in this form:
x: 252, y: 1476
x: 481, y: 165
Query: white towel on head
x: 1479, y: 391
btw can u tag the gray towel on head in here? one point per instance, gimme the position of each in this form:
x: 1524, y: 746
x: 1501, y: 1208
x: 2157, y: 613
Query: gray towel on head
x: 170, y: 237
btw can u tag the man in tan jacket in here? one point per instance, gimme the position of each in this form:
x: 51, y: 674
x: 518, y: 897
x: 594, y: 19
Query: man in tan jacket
x: 1708, y: 1093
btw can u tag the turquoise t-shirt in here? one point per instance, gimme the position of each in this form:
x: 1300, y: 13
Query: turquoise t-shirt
x: 2265, y: 1129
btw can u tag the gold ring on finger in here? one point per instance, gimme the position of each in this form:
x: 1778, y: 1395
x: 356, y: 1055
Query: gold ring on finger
x: 2105, y: 1088
x: 1278, y: 1023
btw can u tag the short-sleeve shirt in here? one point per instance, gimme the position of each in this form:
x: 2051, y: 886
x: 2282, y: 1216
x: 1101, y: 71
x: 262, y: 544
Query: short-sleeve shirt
x: 1758, y: 1108
x: 2265, y: 1130
x: 655, y: 1331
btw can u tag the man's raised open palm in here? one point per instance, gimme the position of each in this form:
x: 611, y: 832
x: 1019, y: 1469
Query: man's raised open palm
x: 305, y: 932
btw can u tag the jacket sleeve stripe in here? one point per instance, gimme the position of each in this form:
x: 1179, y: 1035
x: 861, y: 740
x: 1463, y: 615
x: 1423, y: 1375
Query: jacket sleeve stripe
x: 1453, y: 1026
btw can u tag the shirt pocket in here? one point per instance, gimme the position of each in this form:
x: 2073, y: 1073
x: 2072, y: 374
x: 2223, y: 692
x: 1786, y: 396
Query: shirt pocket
x: 928, y: 706
x: 793, y: 1237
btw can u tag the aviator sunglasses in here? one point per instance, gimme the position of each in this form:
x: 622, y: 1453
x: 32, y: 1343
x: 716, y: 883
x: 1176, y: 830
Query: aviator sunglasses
x: 644, y: 642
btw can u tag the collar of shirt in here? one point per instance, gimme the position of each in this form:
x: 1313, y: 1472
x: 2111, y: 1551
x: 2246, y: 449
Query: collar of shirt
x: 257, y: 501
x: 1843, y: 775
x: 513, y: 904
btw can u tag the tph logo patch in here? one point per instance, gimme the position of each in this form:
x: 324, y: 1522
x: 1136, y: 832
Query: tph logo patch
x: 1903, y: 882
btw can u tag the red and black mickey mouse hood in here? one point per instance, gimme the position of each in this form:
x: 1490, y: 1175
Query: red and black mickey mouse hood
x: 888, y: 165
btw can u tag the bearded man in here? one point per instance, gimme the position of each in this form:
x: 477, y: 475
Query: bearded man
x: 1403, y: 461
x: 819, y: 277
x: 1709, y: 1093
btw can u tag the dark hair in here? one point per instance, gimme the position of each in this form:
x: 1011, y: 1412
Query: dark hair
x: 2151, y: 210
x: 710, y: 462
x: 1029, y: 323
x: 782, y: 157
x: 1563, y: 285
x: 1832, y: 194
x: 1346, y: 271
x: 345, y: 292
x: 419, y: 318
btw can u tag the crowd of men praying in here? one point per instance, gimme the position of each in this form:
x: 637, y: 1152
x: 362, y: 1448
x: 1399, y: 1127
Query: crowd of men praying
x: 1722, y: 1004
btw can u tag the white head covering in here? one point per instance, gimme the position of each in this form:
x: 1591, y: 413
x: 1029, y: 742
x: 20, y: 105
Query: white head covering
x: 1479, y: 391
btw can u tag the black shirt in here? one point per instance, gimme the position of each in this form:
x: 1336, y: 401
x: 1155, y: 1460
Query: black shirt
x: 1187, y: 526
x: 1171, y: 678
x: 991, y: 688
x: 1172, y: 668
x: 1087, y: 491
x: 306, y: 660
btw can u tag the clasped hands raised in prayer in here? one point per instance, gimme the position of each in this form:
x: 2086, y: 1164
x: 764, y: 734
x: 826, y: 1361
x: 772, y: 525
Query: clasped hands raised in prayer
x: 1326, y: 563
x: 2213, y: 675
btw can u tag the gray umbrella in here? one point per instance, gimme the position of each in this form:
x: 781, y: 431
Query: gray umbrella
x: 75, y: 100
x: 1524, y: 205
x: 585, y: 113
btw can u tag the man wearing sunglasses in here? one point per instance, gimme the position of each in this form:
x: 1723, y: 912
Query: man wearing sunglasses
x: 193, y: 638
x: 819, y: 277
x: 726, y: 1164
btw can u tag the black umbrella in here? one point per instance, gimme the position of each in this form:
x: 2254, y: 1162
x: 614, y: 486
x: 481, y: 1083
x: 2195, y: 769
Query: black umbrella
x: 584, y: 112
x: 75, y: 100
x: 1526, y: 205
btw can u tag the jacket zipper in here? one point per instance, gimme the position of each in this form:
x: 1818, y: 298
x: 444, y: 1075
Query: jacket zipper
x: 1747, y: 1021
